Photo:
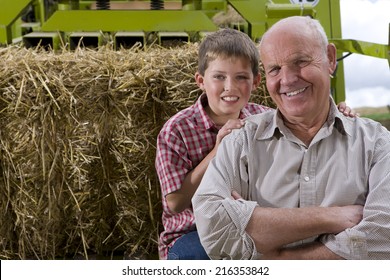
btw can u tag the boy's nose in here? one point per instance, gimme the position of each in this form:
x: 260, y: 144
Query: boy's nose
x: 228, y: 85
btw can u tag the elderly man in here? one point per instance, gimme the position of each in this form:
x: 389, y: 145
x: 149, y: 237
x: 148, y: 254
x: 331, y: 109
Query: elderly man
x: 276, y: 186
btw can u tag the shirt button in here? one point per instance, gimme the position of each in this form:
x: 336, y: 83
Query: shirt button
x: 306, y: 178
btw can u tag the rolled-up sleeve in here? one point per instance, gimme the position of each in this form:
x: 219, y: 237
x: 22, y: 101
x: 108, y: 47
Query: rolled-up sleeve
x: 220, y: 219
x: 370, y: 239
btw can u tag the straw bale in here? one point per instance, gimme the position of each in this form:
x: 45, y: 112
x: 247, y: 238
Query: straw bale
x: 77, y: 147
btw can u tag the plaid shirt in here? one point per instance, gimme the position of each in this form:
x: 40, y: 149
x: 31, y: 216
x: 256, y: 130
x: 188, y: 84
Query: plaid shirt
x: 183, y: 142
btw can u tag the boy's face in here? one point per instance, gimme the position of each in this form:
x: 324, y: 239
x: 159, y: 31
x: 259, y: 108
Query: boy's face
x: 228, y: 83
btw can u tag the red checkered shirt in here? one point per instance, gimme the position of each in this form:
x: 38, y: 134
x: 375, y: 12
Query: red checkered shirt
x: 182, y: 143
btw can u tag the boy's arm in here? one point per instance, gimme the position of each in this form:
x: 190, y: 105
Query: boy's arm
x: 181, y: 199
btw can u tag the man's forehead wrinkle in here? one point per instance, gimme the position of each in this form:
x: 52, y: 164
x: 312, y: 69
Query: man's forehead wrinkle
x: 288, y: 58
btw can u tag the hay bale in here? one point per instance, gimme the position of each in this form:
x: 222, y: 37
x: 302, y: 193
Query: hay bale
x: 77, y: 147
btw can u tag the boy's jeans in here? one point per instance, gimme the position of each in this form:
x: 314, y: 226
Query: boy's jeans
x: 187, y: 247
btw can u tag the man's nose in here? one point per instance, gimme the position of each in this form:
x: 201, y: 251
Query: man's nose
x: 288, y: 76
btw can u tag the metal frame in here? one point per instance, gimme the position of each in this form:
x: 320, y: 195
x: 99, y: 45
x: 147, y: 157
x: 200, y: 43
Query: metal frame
x: 57, y: 26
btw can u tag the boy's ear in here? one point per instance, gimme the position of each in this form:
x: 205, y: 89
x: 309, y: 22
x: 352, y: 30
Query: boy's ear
x: 199, y: 80
x: 256, y: 81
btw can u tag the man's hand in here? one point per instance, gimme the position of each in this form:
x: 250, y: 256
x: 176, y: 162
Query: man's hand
x: 235, y: 195
x: 344, y: 217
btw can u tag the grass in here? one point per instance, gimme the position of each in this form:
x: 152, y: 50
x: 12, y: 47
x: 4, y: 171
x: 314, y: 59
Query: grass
x: 375, y: 113
x: 379, y: 114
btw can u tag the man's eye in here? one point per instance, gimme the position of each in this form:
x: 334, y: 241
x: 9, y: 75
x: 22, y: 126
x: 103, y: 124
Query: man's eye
x: 273, y: 72
x: 302, y: 63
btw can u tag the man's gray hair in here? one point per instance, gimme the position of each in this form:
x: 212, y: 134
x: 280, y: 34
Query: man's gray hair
x: 314, y: 25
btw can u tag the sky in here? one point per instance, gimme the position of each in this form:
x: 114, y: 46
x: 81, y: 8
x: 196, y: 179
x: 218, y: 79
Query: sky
x: 367, y: 79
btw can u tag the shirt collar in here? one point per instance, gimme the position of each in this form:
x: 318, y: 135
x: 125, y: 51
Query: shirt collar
x: 339, y: 121
x: 245, y: 113
x: 335, y: 120
x: 201, y: 116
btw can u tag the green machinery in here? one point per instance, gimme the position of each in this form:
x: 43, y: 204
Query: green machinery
x: 73, y: 23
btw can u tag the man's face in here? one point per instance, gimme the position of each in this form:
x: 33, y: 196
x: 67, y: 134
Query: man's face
x: 297, y: 72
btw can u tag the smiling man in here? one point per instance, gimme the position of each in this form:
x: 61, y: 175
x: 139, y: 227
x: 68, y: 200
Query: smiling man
x: 275, y: 185
x: 298, y: 62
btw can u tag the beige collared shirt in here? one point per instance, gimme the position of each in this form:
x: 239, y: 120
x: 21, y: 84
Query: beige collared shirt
x: 348, y: 162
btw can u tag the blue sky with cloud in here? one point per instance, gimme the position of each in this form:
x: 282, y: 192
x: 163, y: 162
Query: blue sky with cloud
x: 367, y: 78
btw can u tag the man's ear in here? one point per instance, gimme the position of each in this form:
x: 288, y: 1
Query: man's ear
x: 199, y: 80
x: 332, y: 57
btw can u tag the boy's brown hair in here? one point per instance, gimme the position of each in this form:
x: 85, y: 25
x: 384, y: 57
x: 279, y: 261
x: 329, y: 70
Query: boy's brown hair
x: 227, y: 43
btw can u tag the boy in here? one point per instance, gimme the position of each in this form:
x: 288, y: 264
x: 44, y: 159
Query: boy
x: 228, y: 71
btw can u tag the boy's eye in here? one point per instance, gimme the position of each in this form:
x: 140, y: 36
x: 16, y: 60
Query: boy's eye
x: 242, y: 77
x: 219, y: 77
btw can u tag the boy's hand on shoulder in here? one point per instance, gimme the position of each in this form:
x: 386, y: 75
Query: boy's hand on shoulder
x: 227, y: 128
x: 347, y: 111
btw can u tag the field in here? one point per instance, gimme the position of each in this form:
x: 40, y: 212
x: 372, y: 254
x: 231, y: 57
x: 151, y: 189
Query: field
x: 380, y: 114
